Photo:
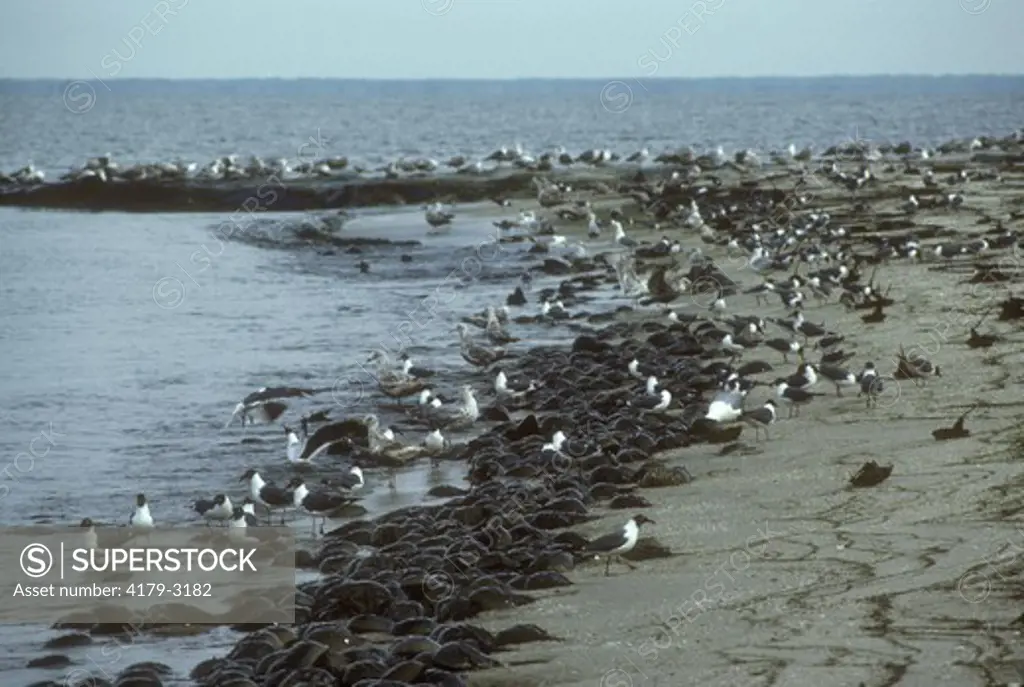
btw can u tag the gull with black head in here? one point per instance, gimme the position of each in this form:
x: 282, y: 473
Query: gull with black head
x: 271, y: 496
x: 794, y: 397
x: 761, y: 418
x: 262, y: 406
x: 317, y: 504
x: 219, y: 509
x: 619, y: 542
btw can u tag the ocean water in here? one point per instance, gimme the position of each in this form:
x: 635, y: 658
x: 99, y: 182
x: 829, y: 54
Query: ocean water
x: 120, y: 359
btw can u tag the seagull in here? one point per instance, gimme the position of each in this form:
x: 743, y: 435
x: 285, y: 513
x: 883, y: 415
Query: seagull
x: 620, y: 235
x: 620, y: 542
x: 870, y: 384
x: 318, y: 504
x: 141, y: 517
x: 474, y: 353
x: 437, y: 216
x: 435, y: 442
x: 348, y: 483
x: 293, y: 450
x: 495, y: 332
x: 784, y: 346
x: 512, y: 388
x: 802, y: 326
x: 553, y: 310
x: 249, y: 508
x: 639, y: 371
x: 655, y: 403
x: 270, y: 495
x: 219, y: 509
x: 240, y: 520
x: 556, y: 443
x: 261, y: 406
x: 378, y: 438
x: 838, y: 376
x: 805, y: 377
x: 726, y: 406
x: 327, y: 436
x: 90, y: 540
x: 761, y: 418
x: 467, y: 413
x: 397, y: 384
x: 429, y: 399
x: 351, y: 480
x: 793, y: 396
x: 412, y: 370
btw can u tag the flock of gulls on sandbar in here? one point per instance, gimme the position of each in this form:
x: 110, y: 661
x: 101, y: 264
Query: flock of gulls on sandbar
x: 695, y: 350
x: 104, y: 168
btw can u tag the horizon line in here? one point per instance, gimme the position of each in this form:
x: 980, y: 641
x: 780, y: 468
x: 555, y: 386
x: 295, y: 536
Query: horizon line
x: 624, y: 79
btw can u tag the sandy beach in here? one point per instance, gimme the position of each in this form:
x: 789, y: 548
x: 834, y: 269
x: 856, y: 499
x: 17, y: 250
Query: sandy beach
x: 783, y: 573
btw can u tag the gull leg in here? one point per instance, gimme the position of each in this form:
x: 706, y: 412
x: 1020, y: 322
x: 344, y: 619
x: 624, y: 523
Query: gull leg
x: 607, y: 565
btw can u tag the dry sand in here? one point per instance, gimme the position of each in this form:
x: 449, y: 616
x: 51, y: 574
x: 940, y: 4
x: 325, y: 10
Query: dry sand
x: 785, y: 575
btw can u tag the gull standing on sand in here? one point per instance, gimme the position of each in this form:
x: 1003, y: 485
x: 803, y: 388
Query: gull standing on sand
x: 761, y: 418
x: 141, y: 517
x: 620, y: 542
x: 726, y: 406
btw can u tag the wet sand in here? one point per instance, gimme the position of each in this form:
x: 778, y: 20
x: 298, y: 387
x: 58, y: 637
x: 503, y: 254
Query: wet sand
x: 783, y: 574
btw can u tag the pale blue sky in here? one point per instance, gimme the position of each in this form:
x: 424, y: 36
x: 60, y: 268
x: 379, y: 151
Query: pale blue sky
x: 507, y: 38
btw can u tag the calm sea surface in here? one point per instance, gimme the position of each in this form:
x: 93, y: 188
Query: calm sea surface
x: 106, y: 391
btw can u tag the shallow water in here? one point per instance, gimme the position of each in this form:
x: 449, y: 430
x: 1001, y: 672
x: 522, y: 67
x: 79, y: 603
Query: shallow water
x: 134, y: 396
x: 373, y: 122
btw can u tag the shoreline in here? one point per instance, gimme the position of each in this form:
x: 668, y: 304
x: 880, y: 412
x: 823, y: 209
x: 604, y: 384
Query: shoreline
x: 812, y: 582
x: 277, y: 192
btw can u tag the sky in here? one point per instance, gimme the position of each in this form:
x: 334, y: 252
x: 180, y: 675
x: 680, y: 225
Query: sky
x: 502, y: 39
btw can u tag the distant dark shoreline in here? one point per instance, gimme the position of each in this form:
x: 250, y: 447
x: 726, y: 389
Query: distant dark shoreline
x: 272, y: 194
